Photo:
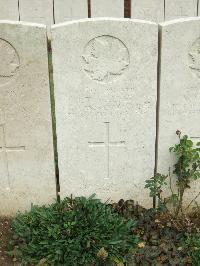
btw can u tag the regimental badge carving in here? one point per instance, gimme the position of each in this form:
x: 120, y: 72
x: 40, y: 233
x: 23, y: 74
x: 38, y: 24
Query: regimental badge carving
x: 9, y: 62
x: 194, y: 58
x: 105, y: 59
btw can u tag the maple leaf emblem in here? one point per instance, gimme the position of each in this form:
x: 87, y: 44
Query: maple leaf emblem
x: 195, y: 56
x: 105, y: 58
x: 8, y: 58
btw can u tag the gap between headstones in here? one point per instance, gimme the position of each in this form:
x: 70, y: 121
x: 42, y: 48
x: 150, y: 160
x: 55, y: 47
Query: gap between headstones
x: 158, y: 104
x: 53, y: 12
x: 19, y: 10
x: 164, y: 9
x: 127, y: 8
x: 89, y: 8
x: 53, y: 115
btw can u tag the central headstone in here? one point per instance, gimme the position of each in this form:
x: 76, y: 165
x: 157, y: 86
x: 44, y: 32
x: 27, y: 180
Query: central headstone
x: 105, y: 73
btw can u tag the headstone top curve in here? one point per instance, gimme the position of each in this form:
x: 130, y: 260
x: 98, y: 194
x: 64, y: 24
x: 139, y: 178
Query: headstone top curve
x: 177, y: 21
x: 103, y: 19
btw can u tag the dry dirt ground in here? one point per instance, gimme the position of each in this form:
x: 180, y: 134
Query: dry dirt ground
x: 4, y: 237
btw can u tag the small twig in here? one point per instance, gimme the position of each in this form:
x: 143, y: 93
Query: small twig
x: 170, y: 181
x: 197, y: 206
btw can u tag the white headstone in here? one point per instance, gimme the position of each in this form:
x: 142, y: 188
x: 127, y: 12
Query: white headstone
x: 66, y: 10
x: 39, y: 11
x: 107, y: 8
x: 152, y: 10
x: 105, y: 74
x: 179, y: 89
x: 198, y: 11
x: 9, y: 10
x: 180, y: 8
x: 26, y: 150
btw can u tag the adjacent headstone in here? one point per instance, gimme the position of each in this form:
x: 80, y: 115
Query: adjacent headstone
x: 105, y: 74
x: 180, y: 8
x: 107, y: 8
x: 198, y: 8
x: 9, y: 10
x: 152, y: 10
x: 39, y: 11
x: 179, y: 90
x: 26, y: 149
x: 66, y: 10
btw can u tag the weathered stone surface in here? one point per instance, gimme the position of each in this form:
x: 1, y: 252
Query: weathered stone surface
x: 107, y: 8
x: 39, y: 11
x: 152, y: 10
x: 26, y: 149
x: 179, y: 89
x: 198, y: 10
x: 180, y: 8
x: 105, y: 73
x: 66, y: 10
x: 9, y: 10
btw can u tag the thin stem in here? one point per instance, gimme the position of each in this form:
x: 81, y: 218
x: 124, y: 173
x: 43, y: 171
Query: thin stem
x: 170, y: 181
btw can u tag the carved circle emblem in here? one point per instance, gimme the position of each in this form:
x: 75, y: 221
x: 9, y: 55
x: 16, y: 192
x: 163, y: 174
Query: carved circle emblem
x: 9, y: 62
x: 105, y: 58
x: 194, y: 58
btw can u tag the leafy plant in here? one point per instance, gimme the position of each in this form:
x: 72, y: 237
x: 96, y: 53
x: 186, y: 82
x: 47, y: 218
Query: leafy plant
x: 192, y: 245
x: 187, y: 167
x: 76, y: 231
x: 155, y: 185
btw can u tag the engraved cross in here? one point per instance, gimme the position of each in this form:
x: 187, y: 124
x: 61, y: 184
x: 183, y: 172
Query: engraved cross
x: 107, y: 144
x: 6, y: 149
x: 182, y: 12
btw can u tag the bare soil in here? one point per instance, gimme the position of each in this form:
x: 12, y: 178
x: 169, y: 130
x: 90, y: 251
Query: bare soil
x: 5, y: 226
